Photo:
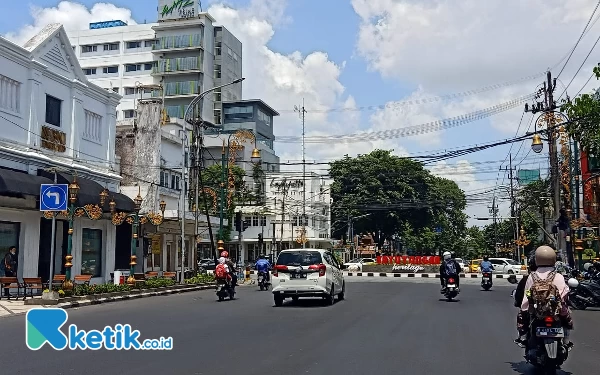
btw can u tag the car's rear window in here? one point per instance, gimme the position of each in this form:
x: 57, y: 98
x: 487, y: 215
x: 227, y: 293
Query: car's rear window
x: 299, y: 258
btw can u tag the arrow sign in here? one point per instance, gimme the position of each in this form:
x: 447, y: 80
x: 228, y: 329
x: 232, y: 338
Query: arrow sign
x: 53, y: 197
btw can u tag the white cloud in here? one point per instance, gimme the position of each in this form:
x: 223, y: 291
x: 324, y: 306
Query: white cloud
x: 72, y: 15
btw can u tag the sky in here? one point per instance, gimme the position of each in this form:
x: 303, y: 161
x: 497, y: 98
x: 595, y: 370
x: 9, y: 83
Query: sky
x: 383, y: 65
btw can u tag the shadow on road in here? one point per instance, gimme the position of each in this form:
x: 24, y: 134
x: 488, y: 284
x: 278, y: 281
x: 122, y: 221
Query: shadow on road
x: 446, y: 300
x: 524, y: 368
x: 307, y: 303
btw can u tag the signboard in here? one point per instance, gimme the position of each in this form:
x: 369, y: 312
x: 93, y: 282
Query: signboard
x: 177, y: 9
x: 156, y: 242
x: 107, y: 24
x: 53, y: 197
x: 527, y: 176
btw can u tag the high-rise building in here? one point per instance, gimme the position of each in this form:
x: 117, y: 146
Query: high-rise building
x: 175, y: 58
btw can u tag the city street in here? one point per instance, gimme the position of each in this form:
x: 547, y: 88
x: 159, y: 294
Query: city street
x: 388, y: 327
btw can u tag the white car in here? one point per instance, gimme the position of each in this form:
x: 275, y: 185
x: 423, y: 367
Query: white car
x: 462, y: 264
x: 358, y: 263
x: 507, y: 265
x: 307, y: 273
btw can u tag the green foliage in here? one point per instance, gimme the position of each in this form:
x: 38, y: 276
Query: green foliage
x: 584, y: 113
x: 535, y: 197
x: 157, y: 282
x: 589, y: 253
x: 397, y: 196
x: 84, y: 290
x: 201, y: 279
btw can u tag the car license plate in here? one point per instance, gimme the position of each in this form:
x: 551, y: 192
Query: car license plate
x: 550, y: 332
x: 298, y: 275
x: 451, y: 286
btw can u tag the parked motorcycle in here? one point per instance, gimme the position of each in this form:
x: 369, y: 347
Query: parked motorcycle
x: 263, y: 284
x: 486, y: 280
x: 583, y: 294
x: 451, y: 291
x: 225, y: 290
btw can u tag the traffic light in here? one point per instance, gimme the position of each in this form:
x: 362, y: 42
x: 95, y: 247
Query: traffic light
x: 238, y: 222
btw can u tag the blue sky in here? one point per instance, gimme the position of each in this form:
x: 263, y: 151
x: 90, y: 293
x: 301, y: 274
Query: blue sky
x: 387, y: 51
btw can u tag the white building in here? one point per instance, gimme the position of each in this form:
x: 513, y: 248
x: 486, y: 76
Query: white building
x: 176, y: 57
x: 280, y: 219
x: 52, y: 117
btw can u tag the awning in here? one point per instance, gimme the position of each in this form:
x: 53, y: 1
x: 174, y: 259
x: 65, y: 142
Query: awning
x: 20, y: 183
x: 89, y: 192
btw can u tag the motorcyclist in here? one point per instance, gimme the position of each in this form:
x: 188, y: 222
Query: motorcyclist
x: 449, y: 263
x: 263, y: 265
x: 545, y: 259
x: 230, y: 266
x: 486, y: 266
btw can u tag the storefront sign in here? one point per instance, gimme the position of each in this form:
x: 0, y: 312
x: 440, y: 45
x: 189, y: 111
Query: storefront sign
x: 156, y: 242
x: 176, y: 9
x: 286, y: 184
x: 407, y: 268
x: 106, y: 24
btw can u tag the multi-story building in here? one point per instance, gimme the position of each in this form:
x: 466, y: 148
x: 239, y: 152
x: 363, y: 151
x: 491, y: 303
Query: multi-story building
x: 56, y: 125
x: 175, y: 59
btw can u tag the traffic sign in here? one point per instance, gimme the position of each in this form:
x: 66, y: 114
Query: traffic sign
x: 53, y: 197
x: 438, y: 230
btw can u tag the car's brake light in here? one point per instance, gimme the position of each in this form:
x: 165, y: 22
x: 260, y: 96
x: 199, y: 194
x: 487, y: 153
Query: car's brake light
x: 549, y: 320
x: 450, y: 280
x: 279, y: 268
x: 321, y: 267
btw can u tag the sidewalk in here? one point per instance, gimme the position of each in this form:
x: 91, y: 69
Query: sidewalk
x: 15, y: 307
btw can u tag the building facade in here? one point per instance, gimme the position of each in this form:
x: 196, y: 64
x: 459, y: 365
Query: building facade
x: 56, y: 125
x: 174, y: 59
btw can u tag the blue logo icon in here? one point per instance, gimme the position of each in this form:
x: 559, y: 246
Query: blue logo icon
x: 44, y: 326
x: 53, y: 197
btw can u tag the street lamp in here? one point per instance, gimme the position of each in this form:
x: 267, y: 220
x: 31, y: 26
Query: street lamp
x: 135, y: 219
x: 522, y: 241
x: 92, y: 211
x: 537, y: 145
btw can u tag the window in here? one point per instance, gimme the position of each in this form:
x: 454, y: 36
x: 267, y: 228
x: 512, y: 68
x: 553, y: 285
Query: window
x: 9, y: 236
x: 129, y: 113
x: 53, y: 109
x: 263, y: 221
x: 217, y: 71
x: 131, y: 45
x: 229, y: 52
x: 111, y: 47
x: 235, y: 57
x: 110, y: 69
x: 133, y: 67
x: 148, y: 66
x: 254, y: 221
x: 299, y: 258
x: 93, y: 127
x: 129, y: 90
x: 89, y: 71
x: 264, y: 117
x: 10, y: 94
x: 88, y: 49
x: 163, y: 178
x: 218, y: 49
x: 149, y: 43
x: 91, y: 252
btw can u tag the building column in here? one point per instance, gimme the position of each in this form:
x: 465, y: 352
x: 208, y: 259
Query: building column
x: 110, y: 249
x: 36, y: 102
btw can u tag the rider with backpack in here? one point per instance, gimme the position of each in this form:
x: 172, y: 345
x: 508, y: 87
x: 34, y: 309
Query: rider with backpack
x: 449, y: 268
x: 548, y: 292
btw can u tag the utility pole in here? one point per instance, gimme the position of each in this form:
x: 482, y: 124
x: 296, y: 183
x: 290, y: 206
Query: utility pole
x: 302, y: 111
x: 494, y: 211
x: 512, y: 202
x: 183, y: 191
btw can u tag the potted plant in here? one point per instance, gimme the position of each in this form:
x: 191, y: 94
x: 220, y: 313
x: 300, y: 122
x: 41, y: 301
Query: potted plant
x: 50, y: 295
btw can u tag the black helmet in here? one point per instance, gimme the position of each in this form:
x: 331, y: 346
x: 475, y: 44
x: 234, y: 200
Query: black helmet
x: 486, y: 258
x: 262, y: 256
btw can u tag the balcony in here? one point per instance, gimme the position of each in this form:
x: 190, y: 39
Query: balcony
x: 178, y: 43
x: 180, y: 65
x: 179, y: 89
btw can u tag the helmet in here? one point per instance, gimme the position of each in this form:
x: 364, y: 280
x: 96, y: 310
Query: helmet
x: 531, y: 264
x: 262, y: 256
x: 587, y: 266
x: 573, y: 283
x: 225, y: 254
x: 486, y: 258
x: 447, y: 255
x: 545, y: 256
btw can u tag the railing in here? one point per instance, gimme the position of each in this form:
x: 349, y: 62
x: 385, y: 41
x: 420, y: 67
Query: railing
x: 178, y: 41
x: 179, y: 88
x: 178, y: 64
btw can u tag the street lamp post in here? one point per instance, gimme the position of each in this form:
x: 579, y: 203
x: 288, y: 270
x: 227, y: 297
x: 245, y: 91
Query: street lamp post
x: 522, y: 241
x: 135, y: 219
x: 92, y: 211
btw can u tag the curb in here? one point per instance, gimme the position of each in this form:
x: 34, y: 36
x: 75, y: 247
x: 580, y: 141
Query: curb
x: 422, y: 275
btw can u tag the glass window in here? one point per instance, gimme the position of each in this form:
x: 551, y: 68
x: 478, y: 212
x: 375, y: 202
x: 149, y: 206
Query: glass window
x: 254, y: 221
x: 129, y: 90
x: 111, y: 47
x: 148, y: 66
x: 110, y: 69
x: 91, y: 252
x: 89, y: 71
x: 53, y: 108
x: 9, y: 236
x: 263, y: 221
x: 299, y: 258
x: 149, y: 43
x: 129, y: 113
x: 134, y: 45
x: 86, y: 49
x: 132, y: 67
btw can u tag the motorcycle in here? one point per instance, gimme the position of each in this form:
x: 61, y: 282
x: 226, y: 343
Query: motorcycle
x: 224, y: 290
x: 583, y: 294
x: 263, y: 284
x: 549, y: 351
x: 451, y: 291
x: 486, y: 280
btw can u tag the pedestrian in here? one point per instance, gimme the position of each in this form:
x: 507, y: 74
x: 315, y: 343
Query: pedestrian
x: 10, y: 266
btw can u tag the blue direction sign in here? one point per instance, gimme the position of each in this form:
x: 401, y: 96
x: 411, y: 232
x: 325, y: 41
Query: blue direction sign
x: 438, y: 230
x: 53, y: 197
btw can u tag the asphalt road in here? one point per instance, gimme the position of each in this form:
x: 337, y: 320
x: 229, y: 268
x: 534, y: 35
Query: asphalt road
x: 384, y: 327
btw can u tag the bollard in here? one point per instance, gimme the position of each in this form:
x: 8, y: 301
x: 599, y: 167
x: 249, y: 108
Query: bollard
x: 247, y: 273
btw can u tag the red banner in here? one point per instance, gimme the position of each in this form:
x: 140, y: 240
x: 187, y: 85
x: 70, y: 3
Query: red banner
x: 404, y: 259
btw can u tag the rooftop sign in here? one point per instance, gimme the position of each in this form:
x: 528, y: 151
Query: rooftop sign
x: 106, y: 24
x: 177, y: 9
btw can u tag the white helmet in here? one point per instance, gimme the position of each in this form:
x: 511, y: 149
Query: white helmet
x: 447, y: 255
x: 587, y: 266
x: 573, y: 283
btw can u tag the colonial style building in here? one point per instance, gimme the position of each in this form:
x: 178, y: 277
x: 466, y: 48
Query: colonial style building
x: 56, y: 125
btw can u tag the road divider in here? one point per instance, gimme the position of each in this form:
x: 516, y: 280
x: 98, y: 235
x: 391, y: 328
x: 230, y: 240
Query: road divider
x: 406, y: 274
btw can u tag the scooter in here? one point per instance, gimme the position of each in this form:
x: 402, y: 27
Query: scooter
x: 549, y: 351
x: 451, y: 291
x: 486, y: 280
x: 583, y: 294
x: 263, y: 284
x: 225, y: 290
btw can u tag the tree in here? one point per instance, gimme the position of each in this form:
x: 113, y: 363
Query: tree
x: 213, y: 178
x: 386, y: 194
x: 584, y: 113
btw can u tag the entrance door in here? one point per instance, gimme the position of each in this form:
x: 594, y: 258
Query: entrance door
x: 169, y: 256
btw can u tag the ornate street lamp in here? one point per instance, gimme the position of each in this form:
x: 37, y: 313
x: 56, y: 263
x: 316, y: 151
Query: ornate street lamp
x: 135, y: 219
x: 92, y: 211
x: 522, y: 241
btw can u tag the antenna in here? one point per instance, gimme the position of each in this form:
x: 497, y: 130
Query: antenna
x: 302, y: 111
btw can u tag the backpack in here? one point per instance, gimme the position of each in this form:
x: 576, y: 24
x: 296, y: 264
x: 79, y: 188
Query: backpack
x: 220, y: 271
x: 451, y: 267
x: 545, y: 296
